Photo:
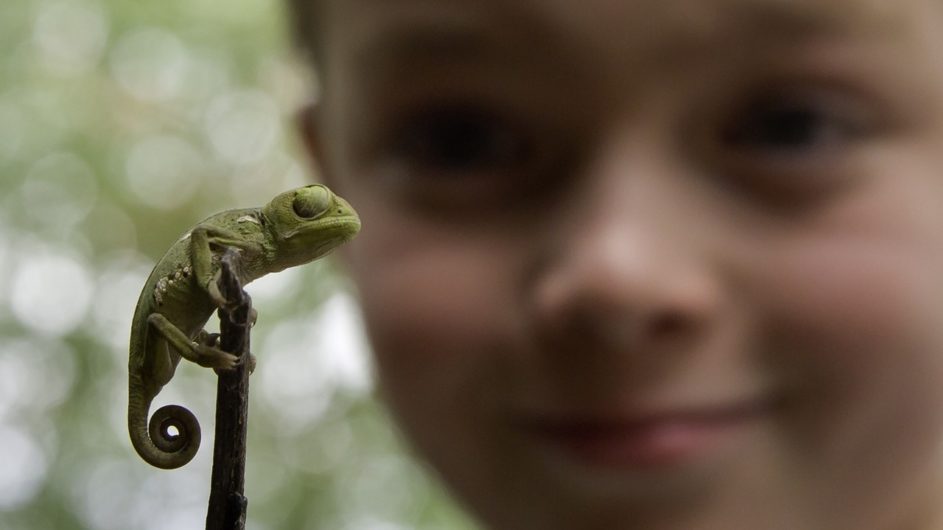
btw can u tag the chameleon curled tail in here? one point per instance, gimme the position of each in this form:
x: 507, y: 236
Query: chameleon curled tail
x: 154, y: 441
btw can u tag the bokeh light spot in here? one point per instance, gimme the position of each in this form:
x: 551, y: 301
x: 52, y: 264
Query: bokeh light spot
x: 310, y: 358
x: 243, y: 126
x: 367, y: 522
x: 150, y: 63
x: 103, y: 494
x: 295, y: 380
x: 12, y: 122
x: 341, y: 329
x: 59, y: 191
x: 164, y: 171
x: 272, y: 287
x: 110, y: 226
x: 51, y: 292
x: 209, y: 73
x: 369, y: 492
x: 24, y: 467
x: 36, y: 375
x: 6, y: 267
x: 119, y: 286
x: 71, y: 35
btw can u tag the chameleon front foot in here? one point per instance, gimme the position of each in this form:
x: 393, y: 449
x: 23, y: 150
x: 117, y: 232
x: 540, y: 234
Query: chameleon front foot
x: 212, y: 289
x: 207, y: 339
x: 251, y: 365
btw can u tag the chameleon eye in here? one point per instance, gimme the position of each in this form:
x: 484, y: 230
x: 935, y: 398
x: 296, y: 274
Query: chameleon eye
x: 311, y: 201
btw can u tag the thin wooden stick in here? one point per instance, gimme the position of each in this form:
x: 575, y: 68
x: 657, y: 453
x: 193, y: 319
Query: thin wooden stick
x: 227, y: 504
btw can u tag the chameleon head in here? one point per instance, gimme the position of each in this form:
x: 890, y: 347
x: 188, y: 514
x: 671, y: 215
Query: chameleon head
x: 307, y: 223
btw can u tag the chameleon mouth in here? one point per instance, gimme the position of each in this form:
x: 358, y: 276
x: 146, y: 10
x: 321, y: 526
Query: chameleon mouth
x: 349, y: 225
x: 341, y: 230
x: 325, y: 235
x: 345, y: 228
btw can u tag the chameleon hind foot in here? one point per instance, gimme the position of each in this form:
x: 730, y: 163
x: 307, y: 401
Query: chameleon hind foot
x: 192, y: 350
x: 213, y: 340
x: 210, y: 357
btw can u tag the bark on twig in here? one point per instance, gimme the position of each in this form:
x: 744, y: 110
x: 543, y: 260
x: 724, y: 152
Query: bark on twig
x: 227, y: 504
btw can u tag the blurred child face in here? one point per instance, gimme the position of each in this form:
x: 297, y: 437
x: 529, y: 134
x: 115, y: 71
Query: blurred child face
x: 652, y: 264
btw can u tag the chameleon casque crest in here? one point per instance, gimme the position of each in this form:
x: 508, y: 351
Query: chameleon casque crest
x: 181, y: 294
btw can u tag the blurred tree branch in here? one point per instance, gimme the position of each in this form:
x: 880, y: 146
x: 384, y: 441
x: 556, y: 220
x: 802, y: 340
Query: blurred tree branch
x: 227, y: 503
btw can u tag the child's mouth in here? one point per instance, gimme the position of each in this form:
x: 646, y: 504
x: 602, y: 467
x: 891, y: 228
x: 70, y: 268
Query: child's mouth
x: 645, y: 441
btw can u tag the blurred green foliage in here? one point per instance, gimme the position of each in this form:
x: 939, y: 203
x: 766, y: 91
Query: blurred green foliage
x: 122, y: 124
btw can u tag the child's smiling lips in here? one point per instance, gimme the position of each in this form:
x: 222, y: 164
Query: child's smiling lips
x: 650, y: 439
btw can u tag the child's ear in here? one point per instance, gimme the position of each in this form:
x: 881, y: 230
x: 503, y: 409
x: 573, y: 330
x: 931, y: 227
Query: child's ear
x: 307, y: 124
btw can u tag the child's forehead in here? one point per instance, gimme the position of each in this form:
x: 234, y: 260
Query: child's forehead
x: 389, y: 35
x: 639, y: 17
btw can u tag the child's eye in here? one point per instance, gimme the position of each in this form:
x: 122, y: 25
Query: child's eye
x: 792, y: 125
x: 459, y: 141
x: 793, y: 146
x: 456, y: 155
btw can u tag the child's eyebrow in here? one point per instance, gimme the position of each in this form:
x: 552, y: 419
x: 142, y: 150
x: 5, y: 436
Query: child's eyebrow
x: 424, y: 41
x: 805, y: 17
x: 393, y: 51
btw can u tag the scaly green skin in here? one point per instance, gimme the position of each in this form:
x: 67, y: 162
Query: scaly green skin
x: 180, y: 295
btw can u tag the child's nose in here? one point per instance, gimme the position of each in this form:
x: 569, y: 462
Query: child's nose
x: 630, y: 272
x: 616, y: 292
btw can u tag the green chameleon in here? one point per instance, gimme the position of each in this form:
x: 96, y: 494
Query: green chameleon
x: 181, y: 294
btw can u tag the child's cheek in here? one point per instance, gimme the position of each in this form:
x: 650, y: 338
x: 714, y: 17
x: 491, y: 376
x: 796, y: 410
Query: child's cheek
x: 854, y: 294
x: 438, y: 314
x: 856, y: 328
x: 435, y: 302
